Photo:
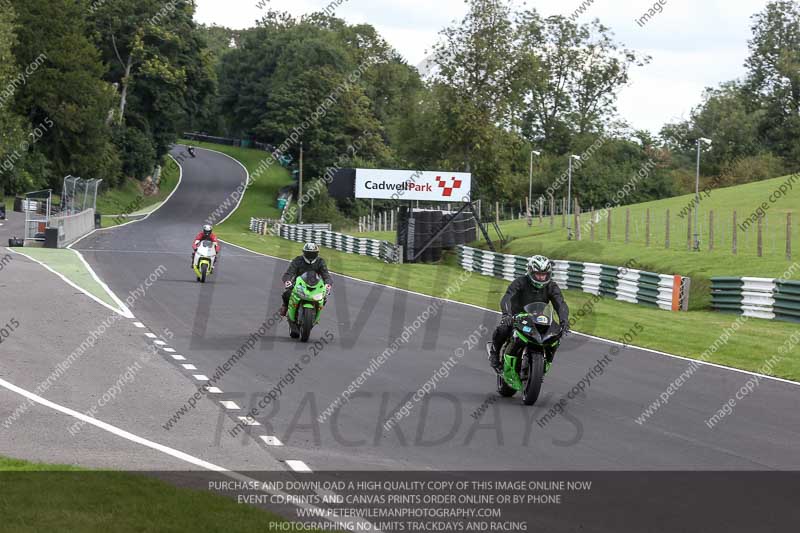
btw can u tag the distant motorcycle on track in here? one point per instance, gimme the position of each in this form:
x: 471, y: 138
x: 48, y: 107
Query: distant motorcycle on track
x: 524, y: 364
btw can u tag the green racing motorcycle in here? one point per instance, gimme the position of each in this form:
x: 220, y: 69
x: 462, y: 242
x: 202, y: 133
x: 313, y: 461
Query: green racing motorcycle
x: 525, y: 359
x: 305, y: 305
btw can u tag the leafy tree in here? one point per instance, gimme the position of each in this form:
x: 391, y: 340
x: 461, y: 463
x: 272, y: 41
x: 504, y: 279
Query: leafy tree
x: 65, y: 90
x: 773, y: 79
x: 568, y: 76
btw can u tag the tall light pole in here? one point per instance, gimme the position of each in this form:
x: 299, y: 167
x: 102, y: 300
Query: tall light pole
x: 530, y: 187
x: 700, y: 142
x: 569, y: 196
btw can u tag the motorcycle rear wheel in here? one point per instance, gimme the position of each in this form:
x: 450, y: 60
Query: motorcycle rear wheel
x: 533, y: 385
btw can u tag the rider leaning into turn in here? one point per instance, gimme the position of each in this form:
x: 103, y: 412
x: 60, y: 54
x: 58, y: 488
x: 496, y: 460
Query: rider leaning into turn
x: 535, y: 286
x: 310, y: 260
x: 206, y: 234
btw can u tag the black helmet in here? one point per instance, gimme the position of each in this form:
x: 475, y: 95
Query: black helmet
x: 310, y: 252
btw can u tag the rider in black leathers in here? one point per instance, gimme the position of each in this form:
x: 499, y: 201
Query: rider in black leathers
x: 310, y: 260
x: 536, y: 286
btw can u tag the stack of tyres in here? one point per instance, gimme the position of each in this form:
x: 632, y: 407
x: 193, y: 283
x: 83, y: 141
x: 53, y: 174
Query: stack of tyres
x: 437, y: 221
x: 449, y: 237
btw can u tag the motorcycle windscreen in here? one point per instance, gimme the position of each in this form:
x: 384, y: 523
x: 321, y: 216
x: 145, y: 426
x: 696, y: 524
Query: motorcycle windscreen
x: 311, y: 279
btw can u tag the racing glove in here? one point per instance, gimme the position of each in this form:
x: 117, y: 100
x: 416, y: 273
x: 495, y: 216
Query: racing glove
x: 287, y: 284
x: 507, y: 320
x: 328, y: 288
x: 565, y: 327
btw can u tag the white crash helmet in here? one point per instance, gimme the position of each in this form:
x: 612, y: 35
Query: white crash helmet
x: 540, y: 271
x: 310, y: 252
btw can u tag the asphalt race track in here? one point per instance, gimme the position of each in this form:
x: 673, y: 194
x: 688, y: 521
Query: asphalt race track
x: 443, y: 431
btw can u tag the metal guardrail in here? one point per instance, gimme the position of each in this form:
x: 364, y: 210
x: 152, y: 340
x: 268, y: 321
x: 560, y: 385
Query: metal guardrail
x: 767, y: 298
x: 668, y: 292
x: 323, y: 236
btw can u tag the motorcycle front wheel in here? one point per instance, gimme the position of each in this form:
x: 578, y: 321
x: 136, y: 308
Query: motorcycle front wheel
x: 504, y: 389
x: 533, y: 384
x: 306, y: 321
x: 203, y: 271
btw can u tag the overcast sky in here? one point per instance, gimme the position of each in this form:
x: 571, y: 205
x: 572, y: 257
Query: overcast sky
x: 694, y: 43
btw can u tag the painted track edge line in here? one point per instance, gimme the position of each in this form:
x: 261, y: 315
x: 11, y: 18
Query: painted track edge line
x: 177, y: 454
x: 609, y: 341
x: 71, y: 283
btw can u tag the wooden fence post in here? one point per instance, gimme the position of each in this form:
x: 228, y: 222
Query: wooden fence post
x: 608, y: 227
x: 647, y: 228
x: 591, y: 227
x: 552, y: 212
x: 666, y: 232
x: 734, y: 235
x: 627, y: 225
x: 760, y: 242
x: 563, y: 212
x: 689, y: 230
x: 497, y: 212
x: 789, y: 236
x: 710, y: 230
x: 577, y: 220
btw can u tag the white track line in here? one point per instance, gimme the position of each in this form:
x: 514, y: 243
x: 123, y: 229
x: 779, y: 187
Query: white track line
x: 151, y: 335
x: 200, y: 377
x: 298, y: 466
x: 138, y: 324
x: 168, y: 350
x: 159, y: 343
x: 650, y: 350
x: 70, y: 283
x: 271, y: 441
x: 112, y: 429
x: 189, y: 367
x: 231, y: 406
x: 177, y: 357
x: 177, y: 454
x: 248, y: 421
x: 214, y: 390
x: 123, y: 308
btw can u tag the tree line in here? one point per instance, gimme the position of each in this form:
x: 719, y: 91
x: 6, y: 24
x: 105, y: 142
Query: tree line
x: 120, y: 80
x: 97, y: 89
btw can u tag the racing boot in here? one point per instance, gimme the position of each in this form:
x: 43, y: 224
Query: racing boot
x: 494, y: 358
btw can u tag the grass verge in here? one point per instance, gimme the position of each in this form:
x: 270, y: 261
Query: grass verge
x: 67, y: 263
x: 687, y: 334
x: 131, y: 200
x: 40, y: 497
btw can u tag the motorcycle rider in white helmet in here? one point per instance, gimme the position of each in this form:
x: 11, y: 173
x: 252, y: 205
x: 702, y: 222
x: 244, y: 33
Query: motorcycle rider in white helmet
x: 535, y: 286
x: 310, y: 260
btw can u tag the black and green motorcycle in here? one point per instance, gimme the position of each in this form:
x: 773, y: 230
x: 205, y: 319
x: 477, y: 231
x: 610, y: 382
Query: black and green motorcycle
x: 525, y: 361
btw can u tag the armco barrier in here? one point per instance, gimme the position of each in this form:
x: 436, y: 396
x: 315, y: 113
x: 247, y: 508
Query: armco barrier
x: 622, y: 283
x: 321, y: 234
x: 262, y: 226
x: 772, y: 299
x: 73, y: 227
